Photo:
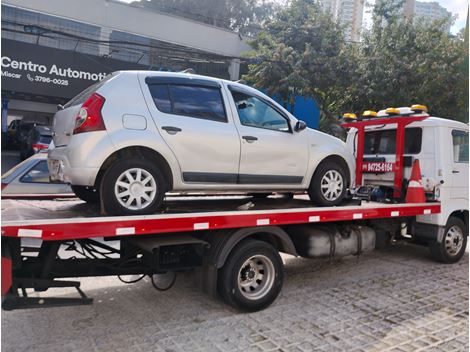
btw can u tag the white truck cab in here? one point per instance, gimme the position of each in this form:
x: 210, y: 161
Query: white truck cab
x: 440, y: 145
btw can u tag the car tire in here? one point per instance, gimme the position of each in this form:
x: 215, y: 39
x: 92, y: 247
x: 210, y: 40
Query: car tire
x: 238, y: 289
x: 145, y: 184
x: 329, y: 185
x: 453, y: 244
x: 87, y: 194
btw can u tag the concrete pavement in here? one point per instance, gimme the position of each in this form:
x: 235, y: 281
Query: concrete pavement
x: 395, y: 299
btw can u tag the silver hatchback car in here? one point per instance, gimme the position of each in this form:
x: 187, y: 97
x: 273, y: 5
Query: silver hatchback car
x: 136, y: 135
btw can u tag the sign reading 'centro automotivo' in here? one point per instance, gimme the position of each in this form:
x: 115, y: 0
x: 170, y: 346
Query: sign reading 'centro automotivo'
x: 31, y: 67
x: 38, y: 70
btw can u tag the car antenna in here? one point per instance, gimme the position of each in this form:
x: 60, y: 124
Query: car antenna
x: 189, y: 70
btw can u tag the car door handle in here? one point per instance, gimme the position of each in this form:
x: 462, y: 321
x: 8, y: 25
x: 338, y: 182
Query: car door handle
x: 171, y: 129
x: 250, y: 138
x: 455, y: 171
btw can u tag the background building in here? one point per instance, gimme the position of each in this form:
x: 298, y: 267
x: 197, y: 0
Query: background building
x: 432, y: 11
x: 349, y: 14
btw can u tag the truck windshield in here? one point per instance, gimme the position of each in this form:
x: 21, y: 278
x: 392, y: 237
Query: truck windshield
x: 384, y: 141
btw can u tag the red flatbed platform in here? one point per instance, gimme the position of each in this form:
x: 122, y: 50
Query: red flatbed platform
x: 72, y: 219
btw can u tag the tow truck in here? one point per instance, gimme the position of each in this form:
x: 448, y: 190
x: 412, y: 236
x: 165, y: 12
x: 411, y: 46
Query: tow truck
x: 232, y: 243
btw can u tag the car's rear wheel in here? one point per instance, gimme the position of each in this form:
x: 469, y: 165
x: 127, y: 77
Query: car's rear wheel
x: 133, y: 187
x: 329, y: 184
x: 87, y: 194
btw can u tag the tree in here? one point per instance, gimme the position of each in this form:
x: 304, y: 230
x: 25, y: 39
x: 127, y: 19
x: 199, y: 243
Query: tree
x: 398, y: 62
x: 401, y: 62
x: 244, y: 16
x: 302, y: 52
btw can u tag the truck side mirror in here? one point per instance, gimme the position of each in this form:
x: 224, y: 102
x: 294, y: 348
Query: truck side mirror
x: 300, y: 126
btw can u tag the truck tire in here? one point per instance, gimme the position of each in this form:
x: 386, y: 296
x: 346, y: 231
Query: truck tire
x: 329, y: 185
x: 133, y: 187
x: 87, y: 194
x: 252, y: 276
x: 453, y: 244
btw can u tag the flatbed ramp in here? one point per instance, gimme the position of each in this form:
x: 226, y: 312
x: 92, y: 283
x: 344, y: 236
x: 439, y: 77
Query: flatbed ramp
x: 73, y: 219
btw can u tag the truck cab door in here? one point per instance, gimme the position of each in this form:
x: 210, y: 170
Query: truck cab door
x: 459, y: 164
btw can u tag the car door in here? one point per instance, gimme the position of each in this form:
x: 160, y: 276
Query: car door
x: 460, y: 164
x: 191, y: 116
x: 271, y: 152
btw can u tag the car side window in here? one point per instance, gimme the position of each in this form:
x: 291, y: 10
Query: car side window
x: 189, y: 100
x: 460, y: 146
x: 161, y: 97
x: 254, y: 112
x: 39, y: 173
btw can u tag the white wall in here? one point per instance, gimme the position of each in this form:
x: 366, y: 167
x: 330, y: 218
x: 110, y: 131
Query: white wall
x: 120, y: 16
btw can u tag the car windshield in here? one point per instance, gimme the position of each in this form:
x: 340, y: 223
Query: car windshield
x: 17, y: 167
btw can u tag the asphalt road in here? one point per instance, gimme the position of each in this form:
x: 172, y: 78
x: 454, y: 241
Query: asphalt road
x: 395, y: 299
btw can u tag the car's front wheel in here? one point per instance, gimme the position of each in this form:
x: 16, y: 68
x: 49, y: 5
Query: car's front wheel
x: 329, y: 184
x: 133, y: 187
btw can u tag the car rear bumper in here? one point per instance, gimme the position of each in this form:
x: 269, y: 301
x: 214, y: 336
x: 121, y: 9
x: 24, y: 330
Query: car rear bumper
x: 79, y: 162
x: 61, y: 171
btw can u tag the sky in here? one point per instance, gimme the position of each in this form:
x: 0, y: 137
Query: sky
x: 457, y: 7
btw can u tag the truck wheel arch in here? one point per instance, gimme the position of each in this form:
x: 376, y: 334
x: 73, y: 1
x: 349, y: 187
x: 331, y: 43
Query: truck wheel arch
x: 223, y: 242
x: 462, y: 215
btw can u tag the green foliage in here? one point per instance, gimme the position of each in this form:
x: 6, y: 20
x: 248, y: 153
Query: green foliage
x: 401, y: 62
x: 303, y: 52
x: 397, y: 63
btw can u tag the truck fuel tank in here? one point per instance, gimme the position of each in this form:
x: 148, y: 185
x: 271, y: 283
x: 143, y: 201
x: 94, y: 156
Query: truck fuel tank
x: 332, y: 240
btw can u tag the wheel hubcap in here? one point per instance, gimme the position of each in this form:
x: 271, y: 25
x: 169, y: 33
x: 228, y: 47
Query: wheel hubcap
x: 256, y: 277
x: 453, y: 240
x: 135, y: 189
x: 332, y: 185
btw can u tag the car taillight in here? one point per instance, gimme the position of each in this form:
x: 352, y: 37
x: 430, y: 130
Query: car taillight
x: 89, y: 117
x: 4, y: 185
x: 39, y: 146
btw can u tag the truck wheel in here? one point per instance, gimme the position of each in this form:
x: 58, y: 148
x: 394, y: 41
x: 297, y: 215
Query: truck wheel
x: 252, y: 276
x: 133, y: 187
x: 453, y: 244
x: 87, y: 194
x: 329, y: 184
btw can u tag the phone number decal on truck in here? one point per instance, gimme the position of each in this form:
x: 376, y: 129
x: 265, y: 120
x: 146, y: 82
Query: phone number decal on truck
x: 380, y: 166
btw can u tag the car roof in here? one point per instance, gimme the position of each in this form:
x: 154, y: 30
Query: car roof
x: 190, y: 77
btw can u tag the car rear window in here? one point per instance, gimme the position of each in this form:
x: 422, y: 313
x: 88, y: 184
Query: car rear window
x: 82, y: 96
x: 384, y: 141
x: 189, y: 100
x: 45, y: 139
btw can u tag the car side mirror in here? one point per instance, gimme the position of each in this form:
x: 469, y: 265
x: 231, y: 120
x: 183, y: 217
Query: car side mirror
x: 300, y: 126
